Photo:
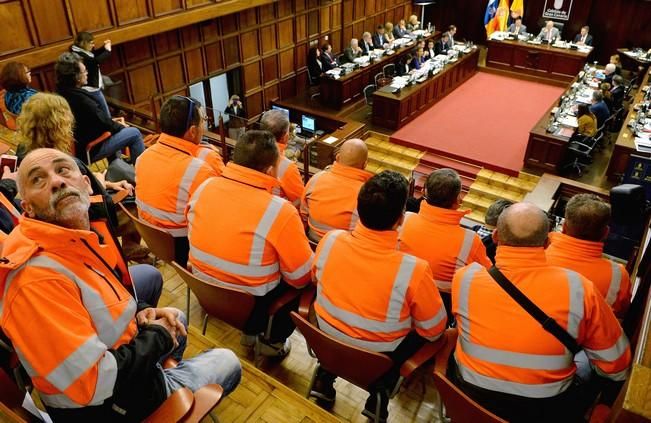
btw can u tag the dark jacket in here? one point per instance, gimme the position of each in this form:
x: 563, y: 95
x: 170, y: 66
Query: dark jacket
x: 588, y: 39
x: 617, y: 94
x: 328, y: 61
x: 350, y: 56
x: 92, y: 63
x: 399, y: 32
x: 377, y: 42
x: 440, y: 47
x: 366, y: 48
x: 601, y: 112
x: 402, y: 69
x: 416, y: 63
x: 315, y: 67
x: 91, y: 120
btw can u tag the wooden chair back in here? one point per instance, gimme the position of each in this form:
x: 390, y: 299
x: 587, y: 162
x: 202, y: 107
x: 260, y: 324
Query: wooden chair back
x: 174, y: 409
x: 358, y: 366
x: 460, y: 407
x: 11, y: 400
x: 160, y: 242
x: 230, y: 305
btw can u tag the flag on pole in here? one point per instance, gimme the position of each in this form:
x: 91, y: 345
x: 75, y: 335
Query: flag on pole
x: 517, y: 8
x: 489, y: 16
x: 496, y: 16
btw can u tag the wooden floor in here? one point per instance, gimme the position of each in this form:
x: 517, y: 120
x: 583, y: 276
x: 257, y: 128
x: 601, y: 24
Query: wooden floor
x: 275, y: 392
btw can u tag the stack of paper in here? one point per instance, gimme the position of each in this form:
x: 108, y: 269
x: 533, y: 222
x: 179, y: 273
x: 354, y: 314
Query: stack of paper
x: 569, y: 121
x: 643, y: 145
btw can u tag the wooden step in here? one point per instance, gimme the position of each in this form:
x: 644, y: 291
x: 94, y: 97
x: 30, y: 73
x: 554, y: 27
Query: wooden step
x: 422, y: 172
x: 438, y: 162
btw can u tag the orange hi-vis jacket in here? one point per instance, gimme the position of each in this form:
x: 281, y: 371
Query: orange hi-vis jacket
x: 585, y: 257
x: 167, y: 174
x: 502, y: 348
x: 290, y: 182
x: 330, y: 199
x: 371, y: 295
x: 242, y: 236
x: 434, y: 235
x: 63, y: 308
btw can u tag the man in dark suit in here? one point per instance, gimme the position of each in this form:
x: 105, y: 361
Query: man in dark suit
x: 328, y: 58
x: 599, y: 108
x: 517, y: 28
x: 452, y: 31
x: 442, y: 45
x: 609, y: 71
x: 583, y: 38
x: 400, y: 30
x: 430, y: 51
x: 352, y: 52
x: 617, y: 92
x: 379, y: 40
x: 366, y: 44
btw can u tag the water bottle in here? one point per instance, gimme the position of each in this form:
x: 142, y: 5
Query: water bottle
x: 429, y: 27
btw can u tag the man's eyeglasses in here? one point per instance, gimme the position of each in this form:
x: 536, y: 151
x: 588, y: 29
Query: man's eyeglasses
x: 191, y: 104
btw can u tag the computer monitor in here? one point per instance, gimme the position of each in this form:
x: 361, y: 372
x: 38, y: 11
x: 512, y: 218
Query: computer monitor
x: 282, y: 109
x: 309, y: 124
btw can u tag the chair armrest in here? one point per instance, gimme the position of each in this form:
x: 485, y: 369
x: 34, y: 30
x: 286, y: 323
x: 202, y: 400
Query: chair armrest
x: 175, y: 407
x: 600, y: 414
x: 307, y: 298
x: 106, y: 135
x: 441, y: 360
x: 424, y: 354
x: 205, y: 399
x: 119, y: 196
x: 283, y: 300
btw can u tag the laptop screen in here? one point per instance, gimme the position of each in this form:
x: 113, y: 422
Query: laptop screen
x: 308, y: 124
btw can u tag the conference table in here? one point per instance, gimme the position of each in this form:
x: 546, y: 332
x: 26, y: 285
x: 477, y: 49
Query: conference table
x: 348, y: 88
x: 393, y: 110
x: 538, y: 60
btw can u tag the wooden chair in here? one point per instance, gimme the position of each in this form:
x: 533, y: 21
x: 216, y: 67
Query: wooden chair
x: 389, y: 70
x: 377, y: 78
x: 358, y: 366
x: 230, y: 305
x: 458, y: 405
x: 368, y: 94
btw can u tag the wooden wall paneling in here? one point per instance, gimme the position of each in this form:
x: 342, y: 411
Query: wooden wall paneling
x: 195, y: 3
x: 214, y: 60
x: 301, y: 28
x: 313, y: 23
x: 347, y: 34
x: 358, y: 29
x: 335, y: 15
x: 301, y: 81
x: 268, y: 37
x: 336, y: 41
x: 165, y: 7
x: 252, y: 77
x: 299, y: 6
x: 142, y: 81
x: 17, y: 35
x: 311, y: 4
x: 209, y: 30
x: 286, y: 63
x: 250, y: 45
x: 92, y: 19
x: 194, y: 65
x: 114, y: 63
x: 380, y: 5
x: 231, y: 51
x: 166, y: 42
x: 191, y: 36
x: 283, y: 9
x: 171, y: 73
x: 271, y: 93
x: 369, y: 7
x: 267, y: 13
x: 324, y: 21
x: 254, y: 104
x: 248, y: 18
x: 229, y: 24
x: 139, y: 50
x: 287, y: 88
x: 270, y: 69
x: 301, y: 56
x: 50, y: 21
x: 348, y: 14
x: 359, y: 9
x: 286, y: 33
x: 130, y: 11
x: 369, y: 25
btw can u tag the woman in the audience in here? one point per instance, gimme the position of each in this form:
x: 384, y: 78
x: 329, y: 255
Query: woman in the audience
x: 47, y: 122
x: 92, y: 121
x: 84, y: 46
x: 15, y: 78
x: 418, y: 59
x: 413, y: 24
x: 403, y: 66
x: 587, y: 121
x: 388, y: 32
x: 605, y: 88
x: 314, y: 65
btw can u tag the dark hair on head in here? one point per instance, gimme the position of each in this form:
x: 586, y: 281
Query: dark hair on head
x: 587, y: 217
x: 380, y: 26
x: 452, y: 27
x: 14, y: 76
x: 597, y: 96
x: 67, y: 70
x: 83, y: 37
x: 325, y: 47
x: 618, y: 80
x: 582, y: 109
x: 443, y: 188
x: 445, y: 35
x: 312, y: 53
x: 256, y: 150
x: 174, y: 115
x: 495, y: 210
x: 381, y: 200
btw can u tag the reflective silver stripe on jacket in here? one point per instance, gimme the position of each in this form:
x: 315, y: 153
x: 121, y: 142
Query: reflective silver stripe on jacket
x: 309, y: 188
x: 464, y: 250
x: 258, y: 290
x: 538, y: 390
x: 301, y: 271
x: 325, y: 252
x: 203, y: 153
x: 615, y: 283
x: 179, y: 219
x: 369, y: 345
x: 282, y: 168
x: 611, y: 354
x: 262, y: 230
x: 183, y: 195
x: 194, y: 199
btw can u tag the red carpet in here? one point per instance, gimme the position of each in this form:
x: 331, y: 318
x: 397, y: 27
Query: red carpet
x: 485, y: 121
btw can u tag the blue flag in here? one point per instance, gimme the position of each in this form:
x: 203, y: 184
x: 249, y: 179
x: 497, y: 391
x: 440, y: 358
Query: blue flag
x: 491, y: 10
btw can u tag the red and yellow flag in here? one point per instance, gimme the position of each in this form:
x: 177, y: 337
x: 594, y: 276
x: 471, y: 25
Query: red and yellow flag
x: 517, y: 8
x: 499, y: 19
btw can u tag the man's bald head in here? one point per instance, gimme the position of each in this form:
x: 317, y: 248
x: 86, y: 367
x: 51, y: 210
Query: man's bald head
x: 522, y: 225
x: 353, y: 153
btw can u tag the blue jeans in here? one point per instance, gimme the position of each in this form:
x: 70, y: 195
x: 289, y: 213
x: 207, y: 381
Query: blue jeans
x: 147, y: 282
x: 219, y: 365
x: 126, y: 137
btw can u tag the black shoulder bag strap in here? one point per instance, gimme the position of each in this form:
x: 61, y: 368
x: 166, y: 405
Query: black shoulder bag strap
x: 545, y: 321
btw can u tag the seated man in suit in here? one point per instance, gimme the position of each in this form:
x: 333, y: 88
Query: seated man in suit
x: 583, y: 38
x: 442, y: 46
x: 379, y: 39
x: 609, y: 71
x: 352, y: 52
x: 328, y: 58
x: 367, y: 44
x: 617, y: 92
x: 599, y: 108
x: 452, y: 31
x: 517, y: 28
x: 400, y: 30
x: 549, y: 33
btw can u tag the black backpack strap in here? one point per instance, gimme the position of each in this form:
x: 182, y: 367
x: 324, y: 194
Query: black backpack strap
x: 549, y: 324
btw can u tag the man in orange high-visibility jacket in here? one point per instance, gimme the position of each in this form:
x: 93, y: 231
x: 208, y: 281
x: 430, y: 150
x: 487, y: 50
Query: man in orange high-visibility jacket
x: 330, y: 198
x: 434, y: 234
x: 290, y: 181
x: 90, y: 349
x: 168, y: 173
x: 580, y: 246
x: 504, y: 359
x: 371, y: 295
x: 244, y: 237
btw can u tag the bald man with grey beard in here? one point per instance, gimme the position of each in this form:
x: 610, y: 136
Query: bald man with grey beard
x: 330, y: 198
